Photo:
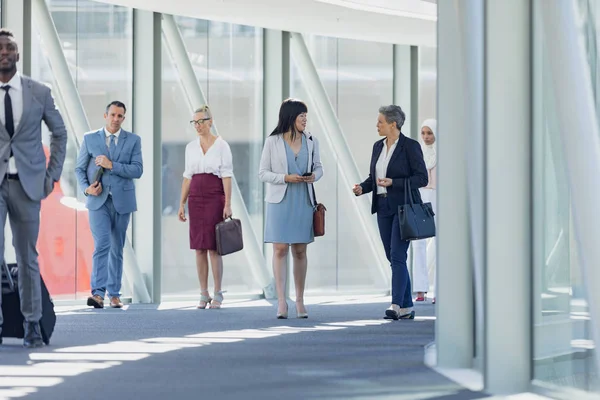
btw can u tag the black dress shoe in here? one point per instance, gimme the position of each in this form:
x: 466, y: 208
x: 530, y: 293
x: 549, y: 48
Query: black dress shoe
x: 33, y: 335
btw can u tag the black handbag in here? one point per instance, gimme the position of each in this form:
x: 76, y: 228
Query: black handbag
x: 415, y: 219
x: 229, y: 236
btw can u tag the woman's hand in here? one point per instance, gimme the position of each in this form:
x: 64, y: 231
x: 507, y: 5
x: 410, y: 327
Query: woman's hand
x: 181, y: 213
x: 309, y: 179
x: 357, y: 190
x: 294, y: 178
x: 385, y: 182
x: 227, y: 211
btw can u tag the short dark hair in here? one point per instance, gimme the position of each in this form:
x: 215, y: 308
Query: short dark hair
x: 6, y: 32
x: 116, y: 103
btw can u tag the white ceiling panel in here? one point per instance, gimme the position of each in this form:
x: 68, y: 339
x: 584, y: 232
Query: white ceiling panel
x: 410, y: 22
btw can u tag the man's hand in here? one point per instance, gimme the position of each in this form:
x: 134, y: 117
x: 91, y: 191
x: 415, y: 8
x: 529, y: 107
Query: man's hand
x: 104, y: 162
x: 357, y: 189
x: 94, y: 189
x: 294, y: 178
x: 227, y: 211
x: 385, y: 182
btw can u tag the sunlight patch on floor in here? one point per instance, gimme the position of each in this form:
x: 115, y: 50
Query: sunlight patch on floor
x: 45, y: 369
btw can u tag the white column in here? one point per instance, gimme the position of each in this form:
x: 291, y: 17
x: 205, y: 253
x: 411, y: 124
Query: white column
x: 276, y: 87
x: 403, y: 84
x: 454, y: 308
x: 508, y: 194
x: 575, y: 113
x: 16, y: 16
x: 146, y: 114
x: 472, y: 23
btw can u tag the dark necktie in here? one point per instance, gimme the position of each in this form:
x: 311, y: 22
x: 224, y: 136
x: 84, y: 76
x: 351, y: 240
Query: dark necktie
x: 8, y: 112
x: 112, y: 147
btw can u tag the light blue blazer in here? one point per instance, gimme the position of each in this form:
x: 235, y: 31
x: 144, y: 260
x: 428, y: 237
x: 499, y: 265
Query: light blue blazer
x: 127, y: 166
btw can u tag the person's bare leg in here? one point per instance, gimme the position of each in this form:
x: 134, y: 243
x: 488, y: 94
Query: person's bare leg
x: 216, y: 263
x: 280, y: 252
x: 202, y: 268
x: 300, y: 267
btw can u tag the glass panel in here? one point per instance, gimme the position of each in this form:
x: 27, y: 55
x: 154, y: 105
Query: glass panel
x: 227, y: 60
x: 358, y: 79
x: 97, y: 43
x: 563, y: 343
x: 365, y: 83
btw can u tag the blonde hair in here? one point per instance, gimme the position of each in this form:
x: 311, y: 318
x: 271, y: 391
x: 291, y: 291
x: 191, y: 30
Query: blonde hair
x: 204, y: 109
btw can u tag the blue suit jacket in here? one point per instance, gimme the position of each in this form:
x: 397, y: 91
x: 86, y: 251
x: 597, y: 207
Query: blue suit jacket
x: 406, y: 163
x: 127, y: 166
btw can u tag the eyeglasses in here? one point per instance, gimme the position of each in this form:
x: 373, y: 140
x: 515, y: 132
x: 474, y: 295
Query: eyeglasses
x: 199, y: 122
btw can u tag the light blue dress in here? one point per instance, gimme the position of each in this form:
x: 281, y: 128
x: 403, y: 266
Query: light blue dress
x: 291, y: 220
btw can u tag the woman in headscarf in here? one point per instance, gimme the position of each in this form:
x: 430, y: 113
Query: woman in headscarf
x: 424, y: 250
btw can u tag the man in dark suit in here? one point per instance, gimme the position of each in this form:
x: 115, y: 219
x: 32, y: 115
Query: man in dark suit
x: 24, y: 177
x: 396, y: 161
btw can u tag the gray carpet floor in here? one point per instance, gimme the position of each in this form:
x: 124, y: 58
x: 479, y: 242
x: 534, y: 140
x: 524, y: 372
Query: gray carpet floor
x: 344, y: 350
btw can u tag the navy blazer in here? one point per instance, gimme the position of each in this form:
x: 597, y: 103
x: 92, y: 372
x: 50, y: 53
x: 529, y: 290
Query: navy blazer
x: 406, y: 163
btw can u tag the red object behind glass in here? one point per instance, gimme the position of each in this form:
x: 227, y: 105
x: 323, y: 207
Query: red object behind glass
x: 65, y: 245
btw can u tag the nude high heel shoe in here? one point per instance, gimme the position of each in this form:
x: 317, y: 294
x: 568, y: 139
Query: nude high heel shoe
x: 283, y: 315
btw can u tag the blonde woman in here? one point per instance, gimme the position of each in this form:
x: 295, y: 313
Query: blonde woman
x: 424, y: 249
x: 207, y: 189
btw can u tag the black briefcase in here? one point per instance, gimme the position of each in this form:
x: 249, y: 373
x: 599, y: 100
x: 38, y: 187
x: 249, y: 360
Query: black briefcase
x: 12, y: 325
x: 415, y: 218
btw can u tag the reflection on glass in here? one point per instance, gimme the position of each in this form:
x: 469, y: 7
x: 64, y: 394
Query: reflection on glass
x: 97, y: 42
x: 563, y: 343
x: 227, y: 60
x: 358, y: 79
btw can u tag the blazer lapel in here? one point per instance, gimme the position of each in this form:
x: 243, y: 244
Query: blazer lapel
x: 281, y: 152
x: 310, y: 146
x: 27, y: 100
x: 397, y: 150
x: 102, y: 139
x: 120, y: 144
x: 376, y: 153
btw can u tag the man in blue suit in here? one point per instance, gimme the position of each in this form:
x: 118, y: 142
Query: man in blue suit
x: 108, y: 162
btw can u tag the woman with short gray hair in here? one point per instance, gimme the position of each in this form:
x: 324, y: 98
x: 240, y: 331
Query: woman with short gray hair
x: 396, y: 160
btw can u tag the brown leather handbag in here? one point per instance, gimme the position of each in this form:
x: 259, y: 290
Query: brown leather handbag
x: 229, y: 236
x: 318, y: 216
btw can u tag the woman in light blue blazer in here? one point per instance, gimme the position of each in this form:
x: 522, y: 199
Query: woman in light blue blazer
x: 290, y: 163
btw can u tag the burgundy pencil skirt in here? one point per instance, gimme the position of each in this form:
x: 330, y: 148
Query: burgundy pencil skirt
x: 205, y: 206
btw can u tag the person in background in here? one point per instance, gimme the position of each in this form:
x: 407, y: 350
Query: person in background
x: 108, y: 162
x: 424, y: 250
x: 394, y: 160
x: 25, y: 179
x: 289, y: 164
x: 206, y: 188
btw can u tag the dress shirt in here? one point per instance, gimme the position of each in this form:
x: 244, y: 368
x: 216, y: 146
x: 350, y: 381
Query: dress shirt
x: 382, y: 164
x: 16, y: 98
x: 107, y: 133
x: 217, y: 160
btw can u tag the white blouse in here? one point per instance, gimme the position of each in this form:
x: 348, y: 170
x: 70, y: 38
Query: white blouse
x: 217, y: 160
x: 382, y: 164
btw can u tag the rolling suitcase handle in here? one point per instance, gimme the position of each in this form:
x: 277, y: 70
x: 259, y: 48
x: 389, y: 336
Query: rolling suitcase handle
x: 9, y: 278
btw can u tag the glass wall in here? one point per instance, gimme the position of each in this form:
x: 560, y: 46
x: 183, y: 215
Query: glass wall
x: 563, y: 344
x: 227, y: 60
x: 358, y: 78
x: 97, y: 41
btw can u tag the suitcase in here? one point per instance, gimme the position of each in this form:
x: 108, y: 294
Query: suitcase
x: 12, y: 325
